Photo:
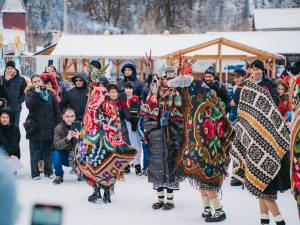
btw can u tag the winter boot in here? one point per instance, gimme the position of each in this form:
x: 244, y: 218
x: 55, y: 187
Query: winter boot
x: 264, y: 219
x: 96, y: 196
x: 127, y: 169
x: 138, y: 170
x: 106, y: 197
x: 161, y: 199
x: 58, y: 180
x: 170, y: 200
x: 279, y: 220
x: 207, y: 212
x: 218, y: 216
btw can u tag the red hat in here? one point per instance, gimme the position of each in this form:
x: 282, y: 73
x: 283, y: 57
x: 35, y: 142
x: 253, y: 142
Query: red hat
x: 52, y: 78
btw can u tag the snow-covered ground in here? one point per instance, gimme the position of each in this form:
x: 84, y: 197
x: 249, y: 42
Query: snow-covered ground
x: 131, y: 203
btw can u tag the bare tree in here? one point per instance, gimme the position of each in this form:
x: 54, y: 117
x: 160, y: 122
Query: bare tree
x: 109, y: 11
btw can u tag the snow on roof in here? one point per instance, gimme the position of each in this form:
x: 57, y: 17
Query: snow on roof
x: 125, y: 46
x: 135, y: 46
x: 13, y: 6
x: 9, y: 36
x: 280, y: 42
x: 277, y: 18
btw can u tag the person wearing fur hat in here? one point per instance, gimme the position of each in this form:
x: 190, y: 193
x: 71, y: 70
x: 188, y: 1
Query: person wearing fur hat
x: 9, y: 135
x: 128, y: 69
x: 213, y: 83
x: 76, y: 98
x: 15, y: 85
x: 285, y: 104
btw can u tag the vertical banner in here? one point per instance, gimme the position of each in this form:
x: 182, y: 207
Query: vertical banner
x: 2, y: 62
x: 18, y: 53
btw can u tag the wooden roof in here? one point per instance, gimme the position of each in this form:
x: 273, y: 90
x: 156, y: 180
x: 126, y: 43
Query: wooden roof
x: 250, y: 52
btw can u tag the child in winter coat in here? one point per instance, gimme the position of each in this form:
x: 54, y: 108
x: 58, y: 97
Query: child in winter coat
x: 129, y: 107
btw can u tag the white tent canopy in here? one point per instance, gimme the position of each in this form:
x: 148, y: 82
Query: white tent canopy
x: 267, y: 19
x: 135, y: 46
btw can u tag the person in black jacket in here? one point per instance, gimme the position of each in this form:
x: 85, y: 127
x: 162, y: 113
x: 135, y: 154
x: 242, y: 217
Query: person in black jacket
x: 44, y: 115
x: 15, y: 85
x: 212, y: 81
x: 76, y: 98
x: 257, y: 70
x: 9, y: 135
x: 130, y: 74
x: 3, y: 95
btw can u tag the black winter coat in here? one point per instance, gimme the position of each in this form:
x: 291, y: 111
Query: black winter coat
x: 220, y: 89
x: 138, y: 86
x: 46, y: 114
x: 15, y: 90
x: 10, y: 139
x: 163, y: 151
x: 76, y: 98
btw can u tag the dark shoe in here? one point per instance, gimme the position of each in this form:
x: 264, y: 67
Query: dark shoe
x: 36, y: 177
x: 217, y: 217
x: 168, y: 206
x: 280, y: 223
x: 50, y: 176
x: 207, y: 212
x: 158, y: 205
x: 235, y: 182
x: 106, y: 197
x: 145, y: 172
x: 58, y: 180
x: 138, y: 170
x: 96, y: 196
x: 127, y: 169
x: 264, y: 221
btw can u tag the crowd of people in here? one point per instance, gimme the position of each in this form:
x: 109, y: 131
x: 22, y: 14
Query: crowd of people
x: 169, y: 128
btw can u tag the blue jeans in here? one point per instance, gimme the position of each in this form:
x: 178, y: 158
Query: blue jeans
x: 145, y: 154
x: 59, y: 159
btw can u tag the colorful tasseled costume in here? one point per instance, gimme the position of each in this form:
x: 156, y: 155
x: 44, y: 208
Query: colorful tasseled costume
x: 295, y: 141
x: 101, y: 153
x: 162, y: 114
x: 207, y: 134
x: 261, y: 145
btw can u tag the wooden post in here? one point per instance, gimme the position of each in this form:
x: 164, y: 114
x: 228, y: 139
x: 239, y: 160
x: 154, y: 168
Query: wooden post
x: 142, y: 69
x: 273, y: 68
x: 220, y: 60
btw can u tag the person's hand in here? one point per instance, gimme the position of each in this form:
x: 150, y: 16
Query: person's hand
x: 232, y: 103
x: 8, y: 76
x: 38, y: 89
x: 70, y: 135
x: 77, y: 134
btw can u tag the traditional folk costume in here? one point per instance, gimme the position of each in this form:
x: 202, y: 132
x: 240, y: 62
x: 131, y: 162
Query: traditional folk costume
x: 260, y: 148
x: 295, y: 140
x: 207, y: 134
x: 101, y: 153
x: 129, y: 109
x: 162, y: 114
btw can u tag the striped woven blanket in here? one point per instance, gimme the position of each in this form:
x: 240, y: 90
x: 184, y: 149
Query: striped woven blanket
x: 262, y: 139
